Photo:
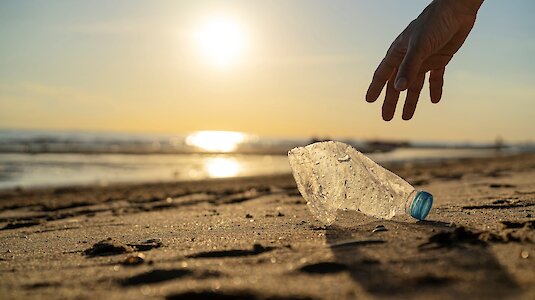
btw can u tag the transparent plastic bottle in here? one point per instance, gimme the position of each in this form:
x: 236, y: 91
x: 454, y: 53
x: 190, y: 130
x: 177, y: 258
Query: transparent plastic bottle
x: 333, y: 175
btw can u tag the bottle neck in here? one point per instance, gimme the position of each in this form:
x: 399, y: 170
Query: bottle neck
x: 408, y: 202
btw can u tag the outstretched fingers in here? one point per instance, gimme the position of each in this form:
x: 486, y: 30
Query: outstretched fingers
x: 391, y: 98
x: 410, y: 66
x: 412, y: 96
x: 382, y: 74
x: 436, y: 82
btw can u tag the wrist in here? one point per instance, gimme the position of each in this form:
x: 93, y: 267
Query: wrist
x: 472, y: 5
x: 466, y: 6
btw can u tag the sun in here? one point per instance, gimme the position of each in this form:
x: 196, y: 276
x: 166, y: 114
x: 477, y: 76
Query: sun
x: 216, y: 141
x: 222, y: 41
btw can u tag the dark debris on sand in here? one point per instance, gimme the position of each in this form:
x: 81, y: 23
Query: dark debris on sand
x: 20, y: 224
x: 111, y: 246
x: 257, y: 249
x: 517, y: 225
x: 107, y: 247
x: 324, y: 268
x: 461, y: 236
x: 455, y: 238
x: 147, y: 245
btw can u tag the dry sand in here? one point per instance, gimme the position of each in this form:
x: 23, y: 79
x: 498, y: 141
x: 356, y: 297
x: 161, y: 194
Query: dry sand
x: 255, y: 239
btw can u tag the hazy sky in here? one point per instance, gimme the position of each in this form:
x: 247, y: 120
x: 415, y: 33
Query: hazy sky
x: 136, y: 66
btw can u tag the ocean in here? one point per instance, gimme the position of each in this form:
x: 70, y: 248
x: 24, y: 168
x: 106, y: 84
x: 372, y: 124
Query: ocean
x: 32, y: 159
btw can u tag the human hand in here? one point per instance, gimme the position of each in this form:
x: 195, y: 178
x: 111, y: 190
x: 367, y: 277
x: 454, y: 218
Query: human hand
x: 427, y: 44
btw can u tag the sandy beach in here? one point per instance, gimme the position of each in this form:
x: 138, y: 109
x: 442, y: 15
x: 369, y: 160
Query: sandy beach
x: 147, y: 149
x: 254, y: 238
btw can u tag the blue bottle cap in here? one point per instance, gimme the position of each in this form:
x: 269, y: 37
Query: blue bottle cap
x: 421, y: 205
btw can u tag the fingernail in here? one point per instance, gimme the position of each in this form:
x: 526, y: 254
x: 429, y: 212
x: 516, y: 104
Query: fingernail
x: 401, y: 84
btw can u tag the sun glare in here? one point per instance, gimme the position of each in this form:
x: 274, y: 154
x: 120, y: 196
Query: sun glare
x: 216, y: 141
x: 222, y: 167
x: 222, y: 41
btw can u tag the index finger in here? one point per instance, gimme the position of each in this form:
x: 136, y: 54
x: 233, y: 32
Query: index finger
x: 388, y: 65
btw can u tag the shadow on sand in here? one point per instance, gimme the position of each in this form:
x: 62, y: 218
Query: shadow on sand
x: 417, y: 259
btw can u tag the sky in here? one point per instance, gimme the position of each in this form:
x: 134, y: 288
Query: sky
x: 303, y: 69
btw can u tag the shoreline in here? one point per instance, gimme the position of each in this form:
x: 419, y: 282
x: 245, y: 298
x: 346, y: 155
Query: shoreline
x: 391, y: 165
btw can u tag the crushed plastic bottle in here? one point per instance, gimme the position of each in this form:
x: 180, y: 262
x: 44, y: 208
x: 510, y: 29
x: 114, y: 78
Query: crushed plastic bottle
x: 333, y: 175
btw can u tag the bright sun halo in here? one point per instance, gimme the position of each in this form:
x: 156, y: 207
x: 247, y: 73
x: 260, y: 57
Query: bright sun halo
x: 216, y: 141
x: 222, y: 41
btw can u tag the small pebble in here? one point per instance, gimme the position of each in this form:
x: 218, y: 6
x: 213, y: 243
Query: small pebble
x: 524, y: 254
x: 379, y: 228
x: 249, y: 216
x: 135, y: 259
x: 146, y: 290
x: 152, y: 241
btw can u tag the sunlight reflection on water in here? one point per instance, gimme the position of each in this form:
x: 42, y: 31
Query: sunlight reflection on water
x: 34, y: 170
x: 222, y: 167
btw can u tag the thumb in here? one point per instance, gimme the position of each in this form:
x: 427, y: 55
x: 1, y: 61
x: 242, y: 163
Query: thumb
x: 410, y: 67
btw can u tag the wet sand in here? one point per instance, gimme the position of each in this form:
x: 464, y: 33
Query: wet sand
x: 254, y: 238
